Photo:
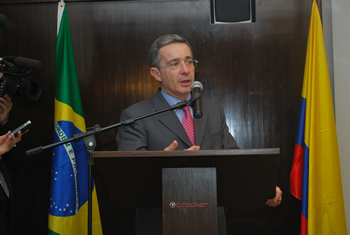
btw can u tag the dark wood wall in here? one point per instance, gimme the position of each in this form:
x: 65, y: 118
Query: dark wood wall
x: 254, y: 70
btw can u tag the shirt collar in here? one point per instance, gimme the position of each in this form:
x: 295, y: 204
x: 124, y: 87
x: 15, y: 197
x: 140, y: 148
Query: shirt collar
x: 171, y: 99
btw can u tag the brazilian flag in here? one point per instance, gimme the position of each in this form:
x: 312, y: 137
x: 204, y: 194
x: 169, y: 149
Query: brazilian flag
x: 68, y: 214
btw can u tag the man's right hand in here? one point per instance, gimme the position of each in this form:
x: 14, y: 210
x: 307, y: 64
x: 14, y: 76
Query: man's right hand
x: 174, y: 145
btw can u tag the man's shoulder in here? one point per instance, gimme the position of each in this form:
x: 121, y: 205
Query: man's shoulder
x: 144, y: 103
x: 142, y: 107
x: 210, y: 102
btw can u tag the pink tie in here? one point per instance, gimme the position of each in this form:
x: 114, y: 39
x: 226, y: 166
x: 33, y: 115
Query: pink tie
x: 187, y: 123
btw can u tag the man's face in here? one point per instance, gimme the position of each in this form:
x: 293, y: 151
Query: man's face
x: 176, y: 82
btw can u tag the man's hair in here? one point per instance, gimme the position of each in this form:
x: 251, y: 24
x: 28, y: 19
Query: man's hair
x: 161, y: 42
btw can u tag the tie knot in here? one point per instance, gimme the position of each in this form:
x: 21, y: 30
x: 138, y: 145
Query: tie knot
x: 186, y: 109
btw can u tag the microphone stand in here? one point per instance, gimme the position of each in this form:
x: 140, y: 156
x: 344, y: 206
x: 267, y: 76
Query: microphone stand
x: 90, y: 145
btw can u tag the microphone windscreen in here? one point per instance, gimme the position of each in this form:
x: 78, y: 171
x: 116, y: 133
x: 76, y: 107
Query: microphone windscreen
x: 2, y: 20
x: 27, y: 63
x: 196, y: 84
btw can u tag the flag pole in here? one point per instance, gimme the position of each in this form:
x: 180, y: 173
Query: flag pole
x: 319, y: 5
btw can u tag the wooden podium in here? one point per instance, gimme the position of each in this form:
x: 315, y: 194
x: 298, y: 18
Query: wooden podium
x: 188, y: 185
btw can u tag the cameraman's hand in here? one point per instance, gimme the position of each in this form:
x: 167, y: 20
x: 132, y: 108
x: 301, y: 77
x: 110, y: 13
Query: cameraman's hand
x: 5, y: 108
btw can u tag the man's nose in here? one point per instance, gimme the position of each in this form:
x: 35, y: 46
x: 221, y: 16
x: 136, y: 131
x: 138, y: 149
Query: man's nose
x: 184, y: 68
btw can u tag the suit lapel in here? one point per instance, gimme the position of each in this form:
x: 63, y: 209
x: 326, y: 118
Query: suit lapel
x: 169, y: 118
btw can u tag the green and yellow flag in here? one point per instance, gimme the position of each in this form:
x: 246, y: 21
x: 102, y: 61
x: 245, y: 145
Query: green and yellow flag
x: 68, y: 213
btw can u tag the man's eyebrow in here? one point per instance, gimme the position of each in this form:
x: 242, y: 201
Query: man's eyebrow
x: 177, y: 59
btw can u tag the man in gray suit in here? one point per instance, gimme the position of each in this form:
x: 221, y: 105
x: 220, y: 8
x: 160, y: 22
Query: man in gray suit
x: 174, y: 67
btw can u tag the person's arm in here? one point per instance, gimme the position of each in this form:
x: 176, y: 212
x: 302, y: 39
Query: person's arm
x: 130, y: 138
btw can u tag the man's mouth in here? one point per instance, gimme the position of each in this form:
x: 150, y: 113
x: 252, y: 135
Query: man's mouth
x: 186, y: 82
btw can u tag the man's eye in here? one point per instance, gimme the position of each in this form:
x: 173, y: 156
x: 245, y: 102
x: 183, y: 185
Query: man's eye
x: 173, y: 64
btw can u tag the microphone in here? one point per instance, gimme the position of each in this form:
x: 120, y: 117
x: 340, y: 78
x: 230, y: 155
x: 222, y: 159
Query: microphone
x: 22, y: 62
x: 196, y: 99
x: 2, y: 20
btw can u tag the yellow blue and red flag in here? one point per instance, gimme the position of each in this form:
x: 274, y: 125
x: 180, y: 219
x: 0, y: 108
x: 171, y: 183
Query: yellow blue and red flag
x: 315, y: 178
x: 68, y: 214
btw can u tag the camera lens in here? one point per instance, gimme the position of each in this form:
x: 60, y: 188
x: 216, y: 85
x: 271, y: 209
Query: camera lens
x: 26, y: 87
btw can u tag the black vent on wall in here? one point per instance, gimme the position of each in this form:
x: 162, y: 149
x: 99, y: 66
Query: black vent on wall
x: 232, y: 11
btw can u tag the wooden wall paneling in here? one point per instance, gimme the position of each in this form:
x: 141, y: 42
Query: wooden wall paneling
x: 254, y: 70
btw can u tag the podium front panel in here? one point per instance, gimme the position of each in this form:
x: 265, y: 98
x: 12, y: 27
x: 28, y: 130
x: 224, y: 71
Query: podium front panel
x: 134, y: 179
x: 189, y: 201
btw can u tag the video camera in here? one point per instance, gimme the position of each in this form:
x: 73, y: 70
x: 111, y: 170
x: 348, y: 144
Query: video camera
x: 26, y: 87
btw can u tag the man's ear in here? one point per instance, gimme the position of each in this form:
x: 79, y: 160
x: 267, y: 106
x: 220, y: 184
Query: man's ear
x: 155, y: 73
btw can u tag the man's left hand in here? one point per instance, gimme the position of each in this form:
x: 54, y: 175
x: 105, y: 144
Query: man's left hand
x: 277, y: 200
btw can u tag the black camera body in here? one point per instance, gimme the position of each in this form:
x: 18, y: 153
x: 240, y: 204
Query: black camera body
x: 26, y: 87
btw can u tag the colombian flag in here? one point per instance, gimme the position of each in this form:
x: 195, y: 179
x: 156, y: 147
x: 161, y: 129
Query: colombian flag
x: 315, y: 178
x: 68, y: 213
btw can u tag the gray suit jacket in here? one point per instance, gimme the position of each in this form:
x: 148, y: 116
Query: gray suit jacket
x: 159, y: 131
